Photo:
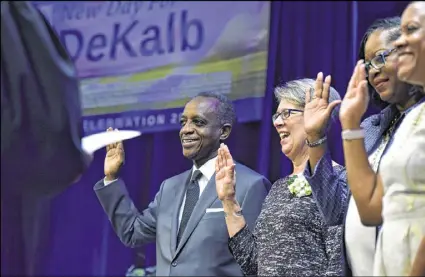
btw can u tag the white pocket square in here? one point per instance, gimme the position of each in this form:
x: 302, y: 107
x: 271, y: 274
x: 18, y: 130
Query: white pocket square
x: 214, y: 210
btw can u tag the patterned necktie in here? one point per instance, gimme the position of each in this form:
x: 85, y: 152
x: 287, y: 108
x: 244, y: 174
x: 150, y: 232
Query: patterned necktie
x: 192, y: 196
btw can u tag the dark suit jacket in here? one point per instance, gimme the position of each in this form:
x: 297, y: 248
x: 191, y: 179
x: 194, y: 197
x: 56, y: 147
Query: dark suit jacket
x: 203, y: 249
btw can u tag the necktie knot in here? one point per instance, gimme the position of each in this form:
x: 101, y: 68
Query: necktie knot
x: 196, y: 176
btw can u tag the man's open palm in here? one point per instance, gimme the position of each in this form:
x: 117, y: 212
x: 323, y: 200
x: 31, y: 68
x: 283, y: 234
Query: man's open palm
x: 225, y: 177
x: 114, y: 158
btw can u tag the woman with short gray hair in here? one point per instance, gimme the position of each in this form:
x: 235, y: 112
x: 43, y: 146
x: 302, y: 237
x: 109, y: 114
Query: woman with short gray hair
x: 289, y: 238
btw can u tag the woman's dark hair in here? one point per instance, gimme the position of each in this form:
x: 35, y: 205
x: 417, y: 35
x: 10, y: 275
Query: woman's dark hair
x: 382, y: 24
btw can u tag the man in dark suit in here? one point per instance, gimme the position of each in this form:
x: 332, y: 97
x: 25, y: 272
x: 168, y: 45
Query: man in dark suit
x: 186, y: 218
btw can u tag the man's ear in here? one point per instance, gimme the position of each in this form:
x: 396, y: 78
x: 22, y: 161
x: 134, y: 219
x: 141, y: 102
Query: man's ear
x: 225, y: 131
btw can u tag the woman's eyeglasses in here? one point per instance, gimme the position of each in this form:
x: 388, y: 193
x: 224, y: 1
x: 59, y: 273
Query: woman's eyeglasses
x: 285, y: 113
x: 378, y: 61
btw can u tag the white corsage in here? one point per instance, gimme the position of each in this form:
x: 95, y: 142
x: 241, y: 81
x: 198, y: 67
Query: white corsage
x: 299, y: 186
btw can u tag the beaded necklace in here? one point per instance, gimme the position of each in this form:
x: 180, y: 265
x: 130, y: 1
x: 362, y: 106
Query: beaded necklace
x: 384, y: 142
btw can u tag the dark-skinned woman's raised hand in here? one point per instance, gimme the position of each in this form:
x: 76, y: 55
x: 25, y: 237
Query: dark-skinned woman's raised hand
x: 356, y: 99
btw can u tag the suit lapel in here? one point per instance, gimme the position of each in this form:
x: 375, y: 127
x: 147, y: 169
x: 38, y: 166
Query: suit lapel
x: 376, y: 131
x: 179, y: 193
x: 371, y: 137
x: 208, y: 196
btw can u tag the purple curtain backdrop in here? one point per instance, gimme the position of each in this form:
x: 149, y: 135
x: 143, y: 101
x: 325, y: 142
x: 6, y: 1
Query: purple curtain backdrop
x: 70, y: 234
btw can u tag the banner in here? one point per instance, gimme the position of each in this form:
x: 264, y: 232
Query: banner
x: 141, y: 61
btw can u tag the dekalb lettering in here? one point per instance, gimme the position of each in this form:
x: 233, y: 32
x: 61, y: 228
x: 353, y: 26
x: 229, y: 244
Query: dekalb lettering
x: 135, y: 40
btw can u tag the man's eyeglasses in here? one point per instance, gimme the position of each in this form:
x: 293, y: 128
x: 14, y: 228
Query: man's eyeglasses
x: 285, y: 113
x: 378, y: 61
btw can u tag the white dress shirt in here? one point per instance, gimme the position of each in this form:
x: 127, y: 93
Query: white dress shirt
x: 207, y: 171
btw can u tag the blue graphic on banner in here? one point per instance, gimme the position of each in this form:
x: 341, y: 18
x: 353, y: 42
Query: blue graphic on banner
x: 141, y: 61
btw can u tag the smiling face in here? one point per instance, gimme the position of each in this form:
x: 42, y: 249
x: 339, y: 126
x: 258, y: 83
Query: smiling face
x: 384, y: 80
x: 201, y: 130
x: 291, y: 131
x: 411, y: 45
